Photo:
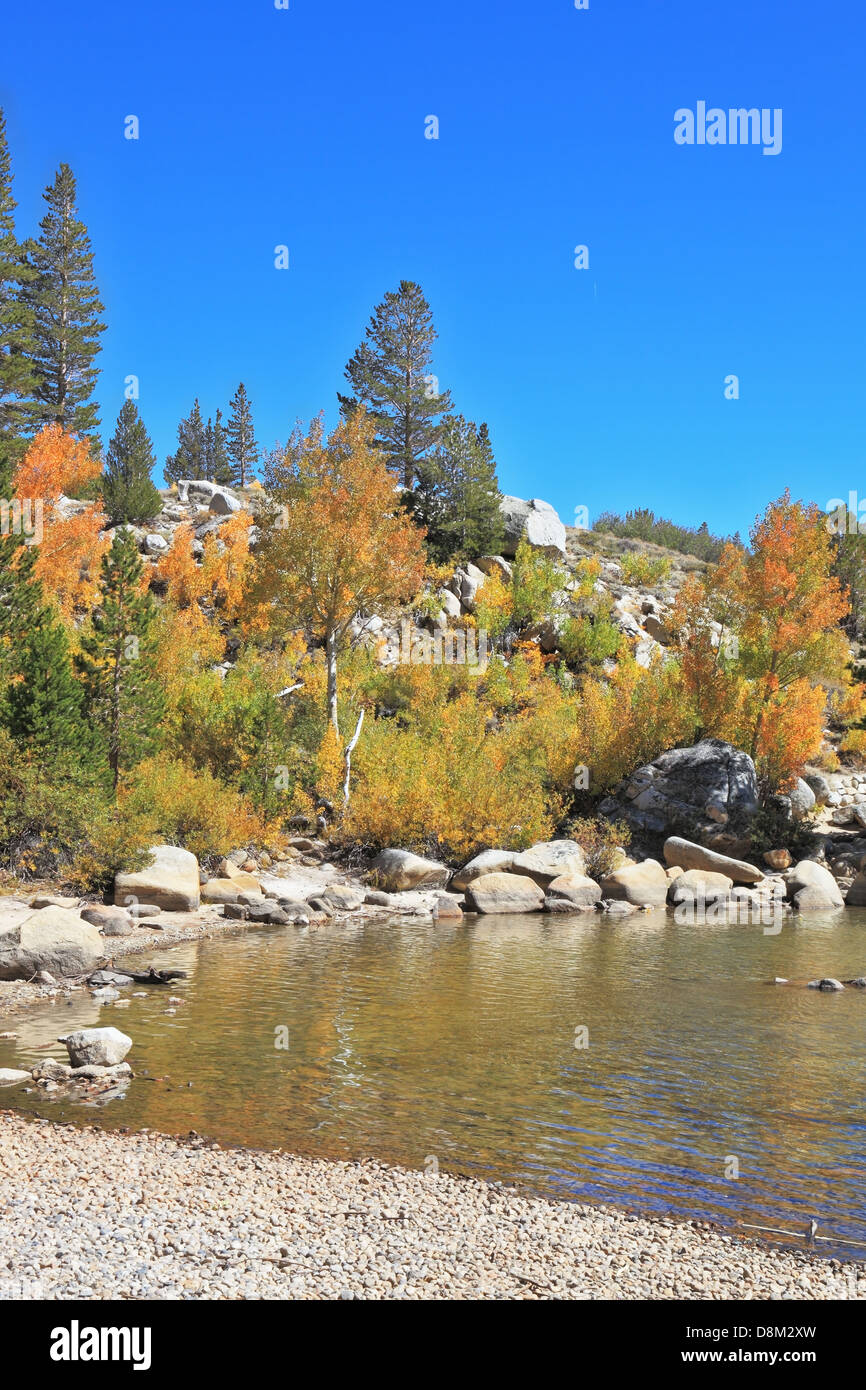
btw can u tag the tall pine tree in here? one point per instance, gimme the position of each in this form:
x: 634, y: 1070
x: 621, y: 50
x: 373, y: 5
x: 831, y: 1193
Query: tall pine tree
x: 66, y: 307
x: 18, y: 409
x: 458, y: 495
x: 128, y: 490
x: 43, y: 705
x: 217, y: 465
x: 116, y: 661
x: 243, y: 450
x: 391, y: 374
x: 189, y: 460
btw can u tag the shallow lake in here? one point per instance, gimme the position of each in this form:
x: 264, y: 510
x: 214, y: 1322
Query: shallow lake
x: 456, y: 1043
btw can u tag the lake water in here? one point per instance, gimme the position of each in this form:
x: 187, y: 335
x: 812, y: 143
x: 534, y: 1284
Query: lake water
x: 411, y: 1042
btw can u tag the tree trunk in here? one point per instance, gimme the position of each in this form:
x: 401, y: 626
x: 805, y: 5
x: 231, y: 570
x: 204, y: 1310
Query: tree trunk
x: 331, y: 656
x: 347, y: 755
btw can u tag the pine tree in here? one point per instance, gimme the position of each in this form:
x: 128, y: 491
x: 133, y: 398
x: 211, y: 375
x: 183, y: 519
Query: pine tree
x: 189, y: 460
x: 458, y: 495
x: 44, y: 702
x: 217, y: 465
x: 66, y: 308
x: 391, y: 375
x: 243, y: 450
x: 21, y: 597
x: 128, y: 490
x: 116, y: 661
x: 18, y: 409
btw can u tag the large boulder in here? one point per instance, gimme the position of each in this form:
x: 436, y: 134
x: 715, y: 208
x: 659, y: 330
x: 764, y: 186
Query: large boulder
x: 685, y: 854
x: 802, y: 799
x: 645, y: 884
x: 549, y: 860
x: 812, y: 888
x: 856, y: 895
x: 170, y: 881
x: 499, y: 893
x: 96, y: 1047
x: 489, y: 861
x: 54, y: 939
x: 398, y: 869
x: 697, y: 886
x: 576, y: 889
x: 534, y: 521
x: 702, y: 789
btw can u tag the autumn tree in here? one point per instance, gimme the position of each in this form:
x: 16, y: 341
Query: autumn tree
x: 55, y: 466
x: 340, y: 542
x: 116, y: 659
x: 757, y: 677
x: 243, y: 450
x: 128, y: 490
x: 391, y: 374
x: 18, y: 408
x: 66, y: 307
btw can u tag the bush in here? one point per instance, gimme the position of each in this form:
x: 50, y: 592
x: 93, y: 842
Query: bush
x: 643, y: 524
x: 603, y: 843
x: 644, y: 570
x: 587, y: 642
x: 46, y: 821
x: 172, y: 801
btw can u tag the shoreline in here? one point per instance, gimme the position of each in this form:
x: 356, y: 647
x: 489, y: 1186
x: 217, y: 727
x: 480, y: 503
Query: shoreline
x: 143, y: 1215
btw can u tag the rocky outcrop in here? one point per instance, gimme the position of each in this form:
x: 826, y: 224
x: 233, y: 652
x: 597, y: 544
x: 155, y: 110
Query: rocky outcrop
x: 501, y: 893
x: 685, y: 854
x: 643, y: 885
x: 170, y: 881
x: 398, y: 869
x: 703, y: 788
x: 55, y: 939
x: 534, y: 521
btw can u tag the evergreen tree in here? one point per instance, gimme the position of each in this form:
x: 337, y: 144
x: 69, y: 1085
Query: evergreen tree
x: 243, y: 450
x: 189, y: 460
x: 66, y: 308
x: 217, y: 465
x: 44, y: 702
x: 458, y: 495
x: 391, y: 375
x: 20, y: 591
x: 18, y: 409
x: 116, y: 661
x: 127, y: 487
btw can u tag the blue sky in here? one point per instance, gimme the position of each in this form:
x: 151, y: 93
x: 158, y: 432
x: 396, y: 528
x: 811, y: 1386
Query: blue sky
x: 602, y: 388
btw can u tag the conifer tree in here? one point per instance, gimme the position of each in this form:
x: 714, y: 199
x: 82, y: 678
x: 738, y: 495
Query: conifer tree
x: 217, y: 465
x: 18, y: 410
x: 391, y: 374
x: 116, y: 661
x: 190, y: 459
x: 457, y: 498
x: 21, y: 598
x: 43, y: 705
x: 128, y: 490
x: 66, y: 308
x: 243, y: 450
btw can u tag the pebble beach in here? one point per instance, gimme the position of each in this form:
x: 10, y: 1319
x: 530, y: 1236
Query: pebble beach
x: 90, y: 1214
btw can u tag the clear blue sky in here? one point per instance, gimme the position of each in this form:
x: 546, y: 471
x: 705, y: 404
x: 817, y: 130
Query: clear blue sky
x: 602, y: 388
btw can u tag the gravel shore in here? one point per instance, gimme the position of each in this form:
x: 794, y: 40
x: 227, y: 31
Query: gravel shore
x: 90, y: 1214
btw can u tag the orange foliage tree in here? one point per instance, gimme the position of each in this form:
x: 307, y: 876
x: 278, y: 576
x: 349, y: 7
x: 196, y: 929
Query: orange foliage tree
x: 340, y: 542
x: 57, y: 464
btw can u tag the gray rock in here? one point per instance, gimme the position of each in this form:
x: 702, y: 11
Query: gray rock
x: 802, y: 799
x: 489, y: 861
x: 643, y: 885
x: 101, y: 1047
x: 53, y: 939
x: 687, y: 855
x: 111, y: 921
x: 397, y: 869
x: 575, y: 889
x: 170, y: 880
x: 819, y: 786
x: 700, y: 788
x: 812, y: 887
x: 534, y: 521
x: 11, y: 1076
x: 549, y: 859
x: 504, y: 893
x: 828, y: 984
